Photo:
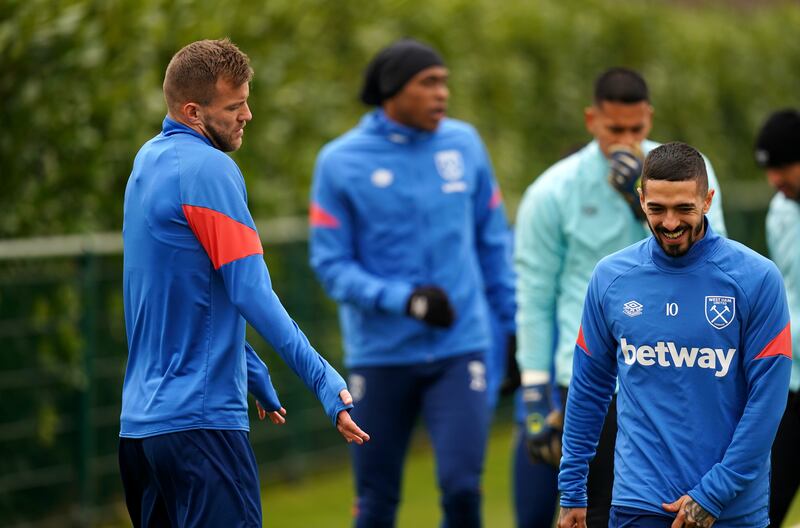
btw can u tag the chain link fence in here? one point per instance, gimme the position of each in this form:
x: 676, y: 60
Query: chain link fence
x: 64, y: 349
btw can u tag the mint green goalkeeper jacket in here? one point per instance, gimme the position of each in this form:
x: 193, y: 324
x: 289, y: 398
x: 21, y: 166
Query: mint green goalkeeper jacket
x: 569, y: 219
x: 783, y: 241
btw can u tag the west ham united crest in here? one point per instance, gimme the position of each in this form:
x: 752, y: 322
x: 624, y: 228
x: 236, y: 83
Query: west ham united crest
x: 720, y: 310
x: 450, y: 164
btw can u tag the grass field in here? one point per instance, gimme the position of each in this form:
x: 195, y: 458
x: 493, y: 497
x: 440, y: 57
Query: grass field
x: 324, y: 500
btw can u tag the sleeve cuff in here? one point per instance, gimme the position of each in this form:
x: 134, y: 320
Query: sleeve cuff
x: 574, y: 502
x: 394, y: 297
x: 529, y: 356
x: 535, y: 377
x: 334, y: 384
x: 264, y: 391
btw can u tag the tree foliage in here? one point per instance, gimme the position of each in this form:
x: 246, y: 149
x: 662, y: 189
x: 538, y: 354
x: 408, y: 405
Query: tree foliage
x: 81, y: 85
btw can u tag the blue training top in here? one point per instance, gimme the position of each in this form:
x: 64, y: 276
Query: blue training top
x: 702, y: 348
x: 394, y: 207
x: 193, y: 274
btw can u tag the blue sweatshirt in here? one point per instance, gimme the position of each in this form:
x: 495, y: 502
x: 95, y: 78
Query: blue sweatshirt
x: 193, y: 274
x: 393, y: 208
x: 702, y: 348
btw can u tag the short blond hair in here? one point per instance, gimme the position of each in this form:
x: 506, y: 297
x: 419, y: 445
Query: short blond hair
x: 193, y: 72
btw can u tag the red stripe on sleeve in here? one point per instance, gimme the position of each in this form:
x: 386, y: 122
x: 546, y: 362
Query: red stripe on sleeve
x: 582, y: 342
x: 223, y: 238
x: 781, y: 345
x: 319, y: 217
x: 496, y: 199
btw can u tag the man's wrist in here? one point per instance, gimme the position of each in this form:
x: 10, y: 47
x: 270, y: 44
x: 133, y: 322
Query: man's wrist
x: 567, y: 503
x: 532, y: 377
x: 705, y: 502
x: 394, y: 297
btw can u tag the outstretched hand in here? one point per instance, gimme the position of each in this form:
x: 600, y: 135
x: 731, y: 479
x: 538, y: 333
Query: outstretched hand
x: 345, y: 424
x: 690, y: 514
x: 276, y: 417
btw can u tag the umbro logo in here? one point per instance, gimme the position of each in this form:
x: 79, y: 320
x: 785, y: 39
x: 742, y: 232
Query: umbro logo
x: 382, y: 178
x: 632, y: 308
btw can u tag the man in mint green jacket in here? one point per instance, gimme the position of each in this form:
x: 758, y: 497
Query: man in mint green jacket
x: 778, y: 153
x: 578, y: 211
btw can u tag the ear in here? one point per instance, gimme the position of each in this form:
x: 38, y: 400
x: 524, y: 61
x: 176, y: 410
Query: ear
x: 191, y: 113
x: 707, y: 202
x: 649, y: 125
x: 640, y: 190
x: 589, y: 118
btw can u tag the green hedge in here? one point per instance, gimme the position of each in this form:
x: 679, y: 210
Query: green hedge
x: 81, y: 85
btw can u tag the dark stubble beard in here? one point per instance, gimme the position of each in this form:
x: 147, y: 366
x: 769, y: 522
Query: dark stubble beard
x: 218, y: 139
x: 676, y: 251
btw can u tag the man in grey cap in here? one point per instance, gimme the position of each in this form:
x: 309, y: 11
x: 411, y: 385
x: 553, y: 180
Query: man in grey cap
x: 778, y: 153
x: 409, y: 236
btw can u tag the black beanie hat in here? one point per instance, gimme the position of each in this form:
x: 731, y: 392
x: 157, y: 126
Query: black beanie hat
x: 393, y: 67
x: 778, y: 142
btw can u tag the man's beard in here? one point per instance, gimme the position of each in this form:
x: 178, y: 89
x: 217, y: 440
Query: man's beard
x: 221, y: 142
x: 678, y: 251
x: 794, y: 195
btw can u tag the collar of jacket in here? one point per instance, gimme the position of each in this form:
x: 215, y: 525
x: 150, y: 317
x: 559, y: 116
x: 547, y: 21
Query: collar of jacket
x: 379, y: 123
x: 594, y: 164
x: 701, y: 251
x: 170, y: 127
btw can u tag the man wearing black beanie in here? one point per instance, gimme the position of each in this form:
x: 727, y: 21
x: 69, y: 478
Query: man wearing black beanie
x: 393, y: 67
x: 777, y: 151
x: 409, y: 236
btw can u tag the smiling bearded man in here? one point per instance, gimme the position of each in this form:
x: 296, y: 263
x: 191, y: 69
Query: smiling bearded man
x: 695, y: 329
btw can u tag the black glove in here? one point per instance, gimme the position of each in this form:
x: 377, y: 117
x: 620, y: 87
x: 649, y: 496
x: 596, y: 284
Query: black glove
x: 626, y: 171
x: 511, y: 380
x: 431, y: 305
x: 543, y: 426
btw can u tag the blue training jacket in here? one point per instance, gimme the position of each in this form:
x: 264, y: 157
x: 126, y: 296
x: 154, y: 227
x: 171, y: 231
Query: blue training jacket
x: 702, y: 348
x: 394, y: 207
x: 193, y: 273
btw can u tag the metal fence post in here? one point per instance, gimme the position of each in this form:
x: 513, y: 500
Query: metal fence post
x: 89, y: 285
